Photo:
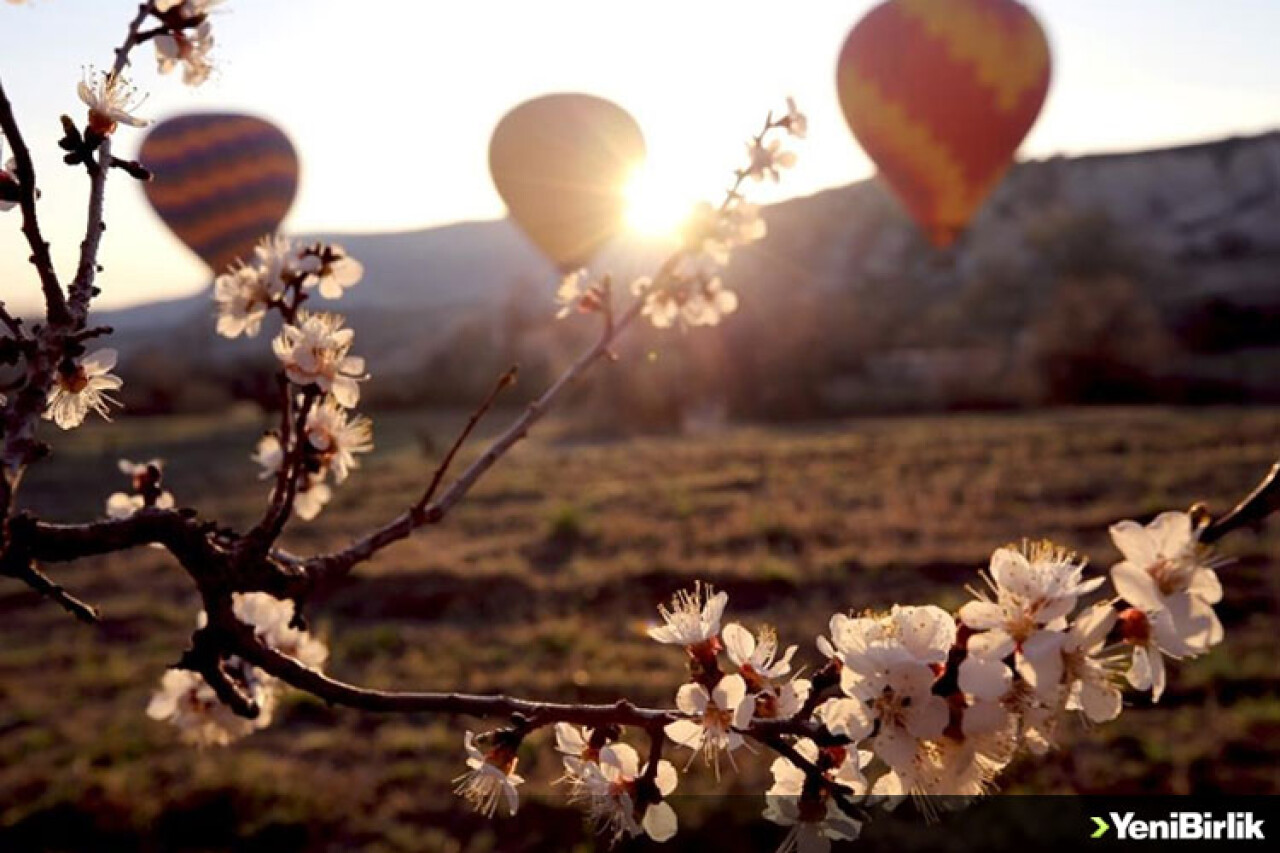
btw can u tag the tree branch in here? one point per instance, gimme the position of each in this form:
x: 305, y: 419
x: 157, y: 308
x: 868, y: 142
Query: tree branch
x: 536, y: 714
x: 182, y: 534
x: 55, y: 301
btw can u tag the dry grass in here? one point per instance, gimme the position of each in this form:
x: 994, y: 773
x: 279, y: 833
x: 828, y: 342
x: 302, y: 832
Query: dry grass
x: 541, y: 584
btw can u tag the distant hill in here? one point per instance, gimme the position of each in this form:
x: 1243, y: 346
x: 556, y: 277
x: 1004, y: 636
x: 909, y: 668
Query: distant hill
x: 416, y: 284
x: 1186, y: 227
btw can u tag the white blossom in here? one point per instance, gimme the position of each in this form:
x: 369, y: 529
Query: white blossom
x: 1089, y: 675
x: 692, y: 619
x: 757, y: 658
x: 906, y: 633
x: 315, y: 351
x: 188, y: 47
x: 609, y: 789
x: 816, y: 819
x: 111, y: 101
x: 337, y: 439
x: 1035, y: 587
x: 1166, y: 570
x: 243, y: 295
x: 282, y: 263
x: 887, y: 675
x: 796, y: 123
x: 270, y: 455
x: 336, y: 270
x: 714, y: 715
x: 124, y: 504
x: 272, y: 621
x: 768, y: 160
x: 763, y: 671
x: 574, y: 743
x: 312, y: 496
x: 84, y: 387
x: 490, y: 778
x: 186, y: 700
x: 950, y: 768
x: 312, y: 492
x: 577, y: 293
x: 121, y: 505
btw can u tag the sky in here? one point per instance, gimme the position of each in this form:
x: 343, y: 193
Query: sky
x: 391, y: 102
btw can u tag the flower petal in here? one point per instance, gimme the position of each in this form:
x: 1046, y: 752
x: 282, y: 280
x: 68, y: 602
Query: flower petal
x: 1134, y: 542
x: 660, y: 821
x: 982, y: 615
x: 685, y: 733
x: 845, y: 717
x: 1136, y: 586
x: 986, y: 679
x: 738, y: 643
x: 692, y: 698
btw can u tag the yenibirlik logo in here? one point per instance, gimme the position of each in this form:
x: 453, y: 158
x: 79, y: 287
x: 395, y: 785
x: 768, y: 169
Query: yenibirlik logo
x: 1183, y: 826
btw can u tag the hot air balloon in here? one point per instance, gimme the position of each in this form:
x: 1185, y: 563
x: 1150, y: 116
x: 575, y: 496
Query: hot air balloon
x: 221, y: 182
x: 560, y: 162
x: 940, y: 93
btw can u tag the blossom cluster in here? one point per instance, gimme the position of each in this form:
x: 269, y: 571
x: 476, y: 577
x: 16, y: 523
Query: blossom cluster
x: 186, y: 38
x: 314, y: 351
x: 187, y: 701
x: 276, y: 276
x: 914, y: 701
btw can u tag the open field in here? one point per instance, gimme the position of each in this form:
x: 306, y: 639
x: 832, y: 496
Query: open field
x: 541, y: 584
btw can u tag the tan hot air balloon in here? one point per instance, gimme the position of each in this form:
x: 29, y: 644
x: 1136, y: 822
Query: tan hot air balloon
x: 561, y: 162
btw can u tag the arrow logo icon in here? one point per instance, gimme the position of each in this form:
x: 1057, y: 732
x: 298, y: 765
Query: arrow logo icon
x: 1102, y: 828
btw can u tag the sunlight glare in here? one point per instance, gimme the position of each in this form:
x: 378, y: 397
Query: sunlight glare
x: 656, y: 205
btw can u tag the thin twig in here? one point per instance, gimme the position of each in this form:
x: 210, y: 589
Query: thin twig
x: 26, y: 572
x: 507, y: 379
x: 1260, y: 503
x: 292, y: 470
x: 12, y: 323
x: 81, y: 291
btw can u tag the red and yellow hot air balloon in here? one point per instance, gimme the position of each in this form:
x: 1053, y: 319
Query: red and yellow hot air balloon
x: 561, y: 163
x: 940, y: 93
x: 222, y: 181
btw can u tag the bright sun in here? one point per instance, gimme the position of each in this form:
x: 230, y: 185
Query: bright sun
x: 656, y: 205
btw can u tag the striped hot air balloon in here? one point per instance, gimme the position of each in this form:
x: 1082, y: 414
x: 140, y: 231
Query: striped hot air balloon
x: 221, y: 182
x: 940, y: 93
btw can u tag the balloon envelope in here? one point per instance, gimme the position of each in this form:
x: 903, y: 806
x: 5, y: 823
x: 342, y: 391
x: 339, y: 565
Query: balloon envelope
x: 940, y: 93
x: 561, y: 162
x: 221, y: 181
